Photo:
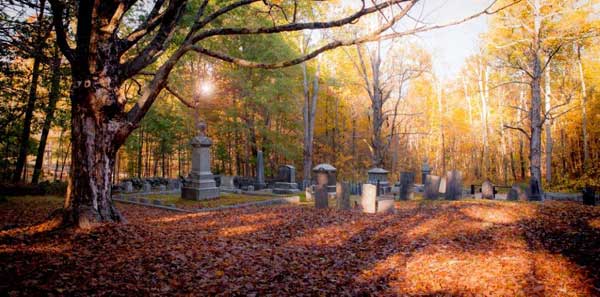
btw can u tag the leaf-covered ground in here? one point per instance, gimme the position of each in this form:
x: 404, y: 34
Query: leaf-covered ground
x: 438, y: 248
x: 223, y: 200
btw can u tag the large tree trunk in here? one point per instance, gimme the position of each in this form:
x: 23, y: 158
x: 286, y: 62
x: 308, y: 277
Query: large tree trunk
x: 309, y: 111
x: 95, y: 142
x: 54, y: 95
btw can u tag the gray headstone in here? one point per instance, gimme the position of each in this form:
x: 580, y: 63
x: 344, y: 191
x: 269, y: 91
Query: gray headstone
x: 146, y: 187
x: 156, y: 202
x: 368, y: 199
x: 516, y: 193
x: 487, y: 190
x: 227, y: 182
x: 200, y: 184
x: 343, y: 196
x: 250, y: 188
x: 330, y: 172
x: 378, y: 176
x: 260, y: 171
x: 432, y: 187
x: 385, y: 206
x: 407, y: 181
x: 128, y: 187
x: 453, y: 185
x: 162, y: 188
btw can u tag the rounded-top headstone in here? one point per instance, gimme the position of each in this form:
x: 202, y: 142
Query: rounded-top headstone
x: 487, y: 190
x: 324, y: 167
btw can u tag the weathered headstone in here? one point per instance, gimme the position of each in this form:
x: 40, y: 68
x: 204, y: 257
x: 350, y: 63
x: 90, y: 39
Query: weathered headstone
x: 453, y: 185
x: 227, y: 183
x: 406, y: 185
x: 533, y: 191
x: 516, y: 193
x: 487, y: 190
x: 342, y: 196
x: 321, y: 194
x: 385, y: 205
x: 286, y: 180
x: 128, y: 187
x: 329, y: 171
x: 432, y: 187
x: 378, y: 176
x: 162, y: 188
x: 425, y: 170
x: 260, y: 172
x: 250, y: 188
x: 200, y: 184
x: 146, y: 187
x: 442, y: 188
x: 368, y: 199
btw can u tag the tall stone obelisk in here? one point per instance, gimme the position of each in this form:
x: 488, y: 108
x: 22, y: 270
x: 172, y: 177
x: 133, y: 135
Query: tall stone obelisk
x: 200, y: 183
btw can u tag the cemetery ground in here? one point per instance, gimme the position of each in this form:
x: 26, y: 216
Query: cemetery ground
x: 455, y: 248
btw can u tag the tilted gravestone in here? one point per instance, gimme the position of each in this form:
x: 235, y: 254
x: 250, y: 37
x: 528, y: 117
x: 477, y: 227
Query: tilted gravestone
x: 432, y: 187
x: 442, y: 188
x: 406, y: 185
x: 453, y: 185
x: 368, y: 199
x: 487, y: 190
x: 342, y: 196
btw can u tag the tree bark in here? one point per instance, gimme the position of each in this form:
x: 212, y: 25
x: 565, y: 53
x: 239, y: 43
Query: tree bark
x: 53, y: 98
x: 586, y: 149
x: 548, y: 124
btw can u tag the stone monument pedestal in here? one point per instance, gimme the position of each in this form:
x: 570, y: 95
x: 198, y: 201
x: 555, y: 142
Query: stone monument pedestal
x: 200, y: 184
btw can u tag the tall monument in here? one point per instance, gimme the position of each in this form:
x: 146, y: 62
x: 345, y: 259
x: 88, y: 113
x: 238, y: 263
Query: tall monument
x: 200, y: 183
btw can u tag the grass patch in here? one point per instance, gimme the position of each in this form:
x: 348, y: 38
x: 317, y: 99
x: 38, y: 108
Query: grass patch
x: 224, y: 200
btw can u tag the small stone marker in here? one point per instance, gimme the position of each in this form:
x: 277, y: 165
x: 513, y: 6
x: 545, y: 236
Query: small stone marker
x: 146, y: 187
x: 454, y: 185
x: 250, y: 188
x: 368, y: 199
x: 432, y: 186
x: 386, y: 206
x: 128, y: 187
x: 516, y: 193
x: 162, y: 188
x: 309, y: 194
x: 156, y: 202
x: 487, y: 190
x: 343, y: 196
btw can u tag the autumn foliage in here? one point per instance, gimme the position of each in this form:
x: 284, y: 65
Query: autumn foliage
x: 459, y: 248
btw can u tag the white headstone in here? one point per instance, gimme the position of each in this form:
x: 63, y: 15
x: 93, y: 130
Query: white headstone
x: 368, y: 199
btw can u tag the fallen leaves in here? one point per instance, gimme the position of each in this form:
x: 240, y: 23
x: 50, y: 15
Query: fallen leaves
x: 445, y: 248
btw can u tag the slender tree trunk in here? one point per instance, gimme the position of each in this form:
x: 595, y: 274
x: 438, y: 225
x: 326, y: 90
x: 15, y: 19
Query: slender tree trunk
x: 535, y: 145
x: 53, y: 98
x: 586, y: 149
x: 35, y: 74
x: 309, y: 112
x: 548, y: 124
